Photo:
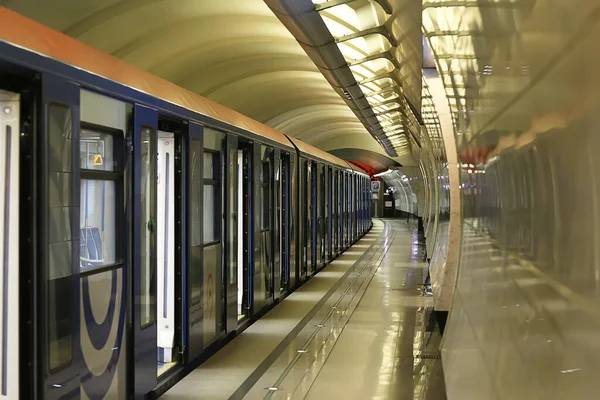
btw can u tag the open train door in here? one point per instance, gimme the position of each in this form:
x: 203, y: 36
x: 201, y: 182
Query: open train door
x: 145, y: 121
x: 58, y: 240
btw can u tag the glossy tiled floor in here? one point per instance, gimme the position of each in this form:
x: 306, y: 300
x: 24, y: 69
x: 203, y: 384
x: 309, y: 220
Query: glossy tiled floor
x: 389, y: 347
x: 361, y: 330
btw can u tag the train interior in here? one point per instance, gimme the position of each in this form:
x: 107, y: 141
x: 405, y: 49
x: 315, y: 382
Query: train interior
x: 169, y: 268
x: 10, y: 109
x: 244, y: 188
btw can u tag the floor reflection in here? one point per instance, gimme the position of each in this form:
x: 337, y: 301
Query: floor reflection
x: 389, y: 348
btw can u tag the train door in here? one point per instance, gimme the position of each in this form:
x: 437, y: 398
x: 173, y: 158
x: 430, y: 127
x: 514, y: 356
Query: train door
x: 58, y: 237
x: 212, y: 238
x: 276, y: 225
x: 244, y: 229
x: 263, y: 250
x: 194, y: 226
x: 234, y: 293
x: 314, y: 209
x: 145, y: 142
x: 336, y: 211
x: 318, y: 216
x: 309, y: 217
x: 302, y: 218
x: 284, y: 217
x: 329, y: 213
x: 353, y: 207
x: 82, y: 241
x: 366, y: 204
x: 341, y: 201
x: 324, y: 217
x: 348, y: 209
x: 361, y: 208
x: 9, y: 242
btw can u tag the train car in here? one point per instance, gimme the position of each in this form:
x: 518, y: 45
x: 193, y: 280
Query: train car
x: 325, y: 228
x: 143, y: 226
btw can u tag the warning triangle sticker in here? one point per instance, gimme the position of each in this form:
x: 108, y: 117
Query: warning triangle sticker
x: 98, y: 159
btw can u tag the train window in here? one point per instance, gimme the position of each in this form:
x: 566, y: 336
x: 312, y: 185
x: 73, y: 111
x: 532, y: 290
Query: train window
x: 96, y: 150
x: 209, y: 170
x: 210, y: 229
x: 97, y: 246
x: 211, y: 197
x: 60, y: 238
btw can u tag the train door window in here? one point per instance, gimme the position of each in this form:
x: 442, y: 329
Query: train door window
x: 212, y: 248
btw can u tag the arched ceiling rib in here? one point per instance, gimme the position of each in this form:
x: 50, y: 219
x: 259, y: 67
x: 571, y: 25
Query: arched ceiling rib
x: 235, y: 52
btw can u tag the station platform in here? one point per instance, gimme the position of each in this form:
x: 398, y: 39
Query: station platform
x: 362, y: 328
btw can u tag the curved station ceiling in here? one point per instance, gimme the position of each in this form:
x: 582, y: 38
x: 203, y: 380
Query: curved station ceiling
x: 239, y: 54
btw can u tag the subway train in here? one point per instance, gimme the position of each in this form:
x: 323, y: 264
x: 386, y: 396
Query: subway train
x: 144, y: 226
